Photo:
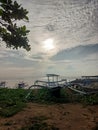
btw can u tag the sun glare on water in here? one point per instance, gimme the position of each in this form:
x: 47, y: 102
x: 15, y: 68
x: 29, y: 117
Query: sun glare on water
x: 48, y: 44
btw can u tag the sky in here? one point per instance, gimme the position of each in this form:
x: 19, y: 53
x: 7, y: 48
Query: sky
x: 63, y: 38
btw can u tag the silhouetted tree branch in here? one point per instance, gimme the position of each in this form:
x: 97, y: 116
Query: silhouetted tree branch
x: 15, y: 37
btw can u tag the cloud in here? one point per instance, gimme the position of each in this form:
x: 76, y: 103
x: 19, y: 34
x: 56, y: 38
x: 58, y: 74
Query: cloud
x: 76, y: 53
x: 37, y: 57
x: 70, y: 23
x: 73, y: 24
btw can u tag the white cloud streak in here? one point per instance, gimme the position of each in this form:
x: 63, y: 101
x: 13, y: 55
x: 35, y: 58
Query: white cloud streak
x: 70, y: 23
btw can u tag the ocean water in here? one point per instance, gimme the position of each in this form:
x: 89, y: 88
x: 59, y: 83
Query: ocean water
x: 29, y: 82
x: 14, y: 83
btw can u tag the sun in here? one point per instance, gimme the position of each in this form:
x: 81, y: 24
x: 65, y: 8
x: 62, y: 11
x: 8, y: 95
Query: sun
x: 48, y: 44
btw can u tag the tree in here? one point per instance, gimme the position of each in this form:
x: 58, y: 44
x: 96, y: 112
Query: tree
x: 14, y: 36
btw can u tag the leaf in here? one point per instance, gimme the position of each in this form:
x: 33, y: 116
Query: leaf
x: 26, y: 18
x: 4, y: 30
x: 27, y: 31
x: 23, y: 28
x: 16, y: 4
x: 1, y: 11
x: 14, y: 36
x: 9, y: 1
x: 3, y: 1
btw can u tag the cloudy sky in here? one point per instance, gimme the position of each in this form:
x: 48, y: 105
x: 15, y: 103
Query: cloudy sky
x: 63, y: 38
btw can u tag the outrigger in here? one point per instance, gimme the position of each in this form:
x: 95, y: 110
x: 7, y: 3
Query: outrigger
x: 53, y: 83
x: 2, y: 84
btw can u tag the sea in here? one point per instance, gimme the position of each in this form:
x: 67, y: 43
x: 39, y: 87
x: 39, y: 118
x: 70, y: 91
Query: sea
x: 14, y: 83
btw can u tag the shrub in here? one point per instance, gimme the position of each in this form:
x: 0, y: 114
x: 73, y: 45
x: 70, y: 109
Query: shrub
x: 11, y: 101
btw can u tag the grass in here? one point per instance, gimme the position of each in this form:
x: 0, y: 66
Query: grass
x: 13, y: 100
x: 47, y: 96
x: 11, y: 110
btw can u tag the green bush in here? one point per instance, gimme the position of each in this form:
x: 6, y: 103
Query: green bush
x: 11, y: 101
x: 12, y: 109
x: 90, y: 99
x: 42, y: 95
x: 46, y: 95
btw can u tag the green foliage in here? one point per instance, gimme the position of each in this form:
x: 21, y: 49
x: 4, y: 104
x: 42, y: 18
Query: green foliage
x: 65, y: 97
x: 40, y: 95
x: 46, y: 95
x: 15, y: 37
x: 11, y: 101
x: 90, y: 99
x: 43, y: 95
x: 11, y: 109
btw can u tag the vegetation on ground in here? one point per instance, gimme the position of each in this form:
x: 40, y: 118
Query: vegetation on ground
x: 14, y: 100
x: 11, y: 101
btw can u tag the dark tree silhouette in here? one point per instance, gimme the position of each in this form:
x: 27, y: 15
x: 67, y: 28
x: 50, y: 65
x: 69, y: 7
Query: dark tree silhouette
x: 14, y: 36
